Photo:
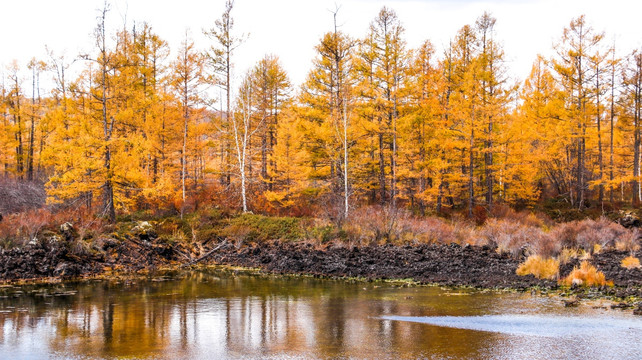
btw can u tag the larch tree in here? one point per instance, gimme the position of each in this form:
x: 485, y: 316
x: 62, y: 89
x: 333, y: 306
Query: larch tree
x: 291, y: 158
x: 220, y: 64
x: 575, y: 74
x: 613, y: 67
x: 325, y: 97
x: 598, y: 61
x: 422, y: 134
x: 542, y: 105
x: 633, y: 101
x: 271, y: 90
x: 464, y: 105
x: 36, y: 68
x: 494, y: 96
x: 101, y: 93
x: 384, y: 62
x: 188, y: 71
x: 5, y: 147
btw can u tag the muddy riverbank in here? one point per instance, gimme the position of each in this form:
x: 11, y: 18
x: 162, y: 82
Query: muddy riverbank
x: 450, y: 265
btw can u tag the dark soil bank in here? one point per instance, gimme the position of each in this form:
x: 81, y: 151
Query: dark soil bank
x: 443, y: 264
x: 66, y: 260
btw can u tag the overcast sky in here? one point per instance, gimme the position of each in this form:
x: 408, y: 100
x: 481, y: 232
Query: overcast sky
x: 290, y: 29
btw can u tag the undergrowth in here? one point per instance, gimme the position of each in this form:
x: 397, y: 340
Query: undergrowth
x: 586, y: 275
x: 541, y: 268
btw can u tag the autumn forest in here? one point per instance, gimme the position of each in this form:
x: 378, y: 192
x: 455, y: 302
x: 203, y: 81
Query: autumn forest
x: 135, y: 126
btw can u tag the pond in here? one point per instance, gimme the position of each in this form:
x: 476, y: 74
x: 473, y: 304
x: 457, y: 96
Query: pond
x: 223, y: 313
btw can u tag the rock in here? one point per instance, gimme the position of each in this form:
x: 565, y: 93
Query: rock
x: 106, y: 243
x: 68, y: 231
x: 621, y: 306
x: 628, y: 219
x: 571, y: 302
x: 638, y: 310
x: 61, y: 269
x: 144, y: 230
x: 54, y: 240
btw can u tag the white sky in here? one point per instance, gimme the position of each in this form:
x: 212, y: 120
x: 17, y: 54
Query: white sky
x: 292, y: 28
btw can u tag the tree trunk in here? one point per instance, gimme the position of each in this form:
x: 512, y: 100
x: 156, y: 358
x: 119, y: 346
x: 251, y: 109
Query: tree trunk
x: 346, y: 195
x: 598, y: 120
x: 612, y: 118
x: 471, y: 190
x: 382, y: 171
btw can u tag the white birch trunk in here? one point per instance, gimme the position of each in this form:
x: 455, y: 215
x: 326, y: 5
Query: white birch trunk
x: 346, y: 195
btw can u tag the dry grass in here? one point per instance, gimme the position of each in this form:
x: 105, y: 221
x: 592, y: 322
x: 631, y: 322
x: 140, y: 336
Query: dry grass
x: 18, y: 229
x: 517, y: 233
x: 376, y: 224
x: 19, y: 195
x: 566, y: 255
x: 588, y: 233
x: 586, y: 275
x: 629, y: 242
x: 541, y: 268
x: 514, y: 237
x: 630, y: 262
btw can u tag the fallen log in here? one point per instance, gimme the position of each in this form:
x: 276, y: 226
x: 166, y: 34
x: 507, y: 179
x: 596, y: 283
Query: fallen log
x: 206, y: 255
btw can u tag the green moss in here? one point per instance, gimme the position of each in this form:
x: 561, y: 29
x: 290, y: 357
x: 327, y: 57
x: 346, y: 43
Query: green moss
x: 250, y: 227
x: 140, y: 215
x: 326, y: 233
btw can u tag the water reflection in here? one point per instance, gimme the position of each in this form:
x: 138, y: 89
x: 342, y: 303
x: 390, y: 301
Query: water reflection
x: 223, y: 314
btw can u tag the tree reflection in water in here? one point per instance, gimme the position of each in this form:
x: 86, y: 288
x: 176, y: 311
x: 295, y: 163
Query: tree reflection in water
x: 222, y: 313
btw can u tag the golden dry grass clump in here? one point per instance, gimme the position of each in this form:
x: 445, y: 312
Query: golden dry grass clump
x: 541, y: 268
x: 630, y: 262
x: 586, y: 275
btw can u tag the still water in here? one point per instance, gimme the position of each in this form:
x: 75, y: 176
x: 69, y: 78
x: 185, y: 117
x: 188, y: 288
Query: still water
x: 219, y: 314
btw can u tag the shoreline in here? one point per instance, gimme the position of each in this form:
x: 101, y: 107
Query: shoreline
x: 449, y: 265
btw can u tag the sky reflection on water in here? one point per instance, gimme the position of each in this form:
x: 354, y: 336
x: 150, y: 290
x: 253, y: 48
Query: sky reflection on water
x: 222, y: 314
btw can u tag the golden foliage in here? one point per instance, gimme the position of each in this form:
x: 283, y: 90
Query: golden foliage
x: 541, y: 268
x: 428, y: 131
x: 586, y: 275
x: 630, y: 262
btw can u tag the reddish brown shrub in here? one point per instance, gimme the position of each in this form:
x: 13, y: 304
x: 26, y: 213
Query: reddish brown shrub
x: 514, y: 237
x: 381, y: 223
x: 529, y: 218
x: 588, y: 233
x: 20, y: 228
x: 480, y: 214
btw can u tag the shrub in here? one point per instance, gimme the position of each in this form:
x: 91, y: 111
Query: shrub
x: 528, y: 218
x: 630, y: 262
x: 587, y: 233
x: 375, y: 224
x: 629, y: 242
x: 379, y: 223
x: 586, y: 275
x: 480, y: 214
x: 514, y: 237
x: 566, y: 255
x: 438, y: 230
x: 19, y: 196
x: 18, y: 229
x: 540, y: 267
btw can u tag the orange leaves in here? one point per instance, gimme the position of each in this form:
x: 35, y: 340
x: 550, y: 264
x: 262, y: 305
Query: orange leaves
x: 586, y: 275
